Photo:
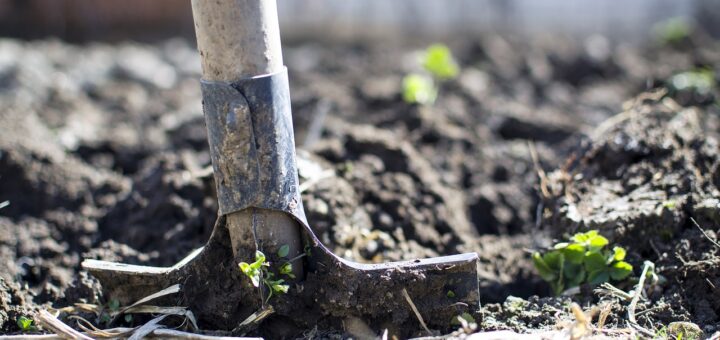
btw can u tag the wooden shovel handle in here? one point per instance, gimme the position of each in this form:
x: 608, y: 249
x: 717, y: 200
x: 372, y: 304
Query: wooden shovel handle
x: 237, y: 38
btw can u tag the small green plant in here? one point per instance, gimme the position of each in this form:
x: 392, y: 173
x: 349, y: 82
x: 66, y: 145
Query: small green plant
x: 438, y: 65
x: 583, y: 260
x: 467, y: 317
x: 109, y: 309
x: 700, y: 80
x: 419, y: 88
x: 259, y: 271
x: 669, y: 204
x: 661, y: 333
x: 673, y: 30
x: 438, y: 60
x: 26, y: 324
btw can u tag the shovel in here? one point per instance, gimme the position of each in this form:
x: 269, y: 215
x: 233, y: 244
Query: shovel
x: 246, y: 104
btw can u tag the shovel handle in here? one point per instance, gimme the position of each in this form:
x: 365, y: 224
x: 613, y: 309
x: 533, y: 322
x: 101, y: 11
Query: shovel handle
x: 237, y: 38
x: 240, y: 39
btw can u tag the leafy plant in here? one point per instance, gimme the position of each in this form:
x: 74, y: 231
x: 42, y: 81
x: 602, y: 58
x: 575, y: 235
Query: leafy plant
x: 259, y: 272
x: 582, y: 260
x: 438, y: 65
x: 25, y: 324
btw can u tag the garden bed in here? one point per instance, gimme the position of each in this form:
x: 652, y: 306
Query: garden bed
x: 103, y: 154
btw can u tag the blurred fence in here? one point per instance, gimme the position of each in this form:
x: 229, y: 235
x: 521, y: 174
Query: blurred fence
x: 147, y: 20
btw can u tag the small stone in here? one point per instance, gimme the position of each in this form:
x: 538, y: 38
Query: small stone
x: 684, y: 329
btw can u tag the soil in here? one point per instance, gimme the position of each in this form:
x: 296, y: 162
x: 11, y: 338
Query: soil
x: 103, y: 155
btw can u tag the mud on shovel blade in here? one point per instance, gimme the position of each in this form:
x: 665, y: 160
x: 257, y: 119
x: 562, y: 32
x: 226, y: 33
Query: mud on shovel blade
x: 247, y: 111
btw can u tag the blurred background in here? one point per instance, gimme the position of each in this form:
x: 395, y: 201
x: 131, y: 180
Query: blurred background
x: 78, y: 20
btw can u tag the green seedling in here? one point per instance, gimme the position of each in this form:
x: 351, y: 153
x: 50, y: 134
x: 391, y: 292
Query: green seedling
x: 439, y: 62
x: 450, y: 294
x: 108, y: 310
x: 582, y: 260
x: 438, y: 65
x: 259, y: 272
x: 467, y: 317
x: 26, y: 324
x: 673, y: 31
x: 420, y: 89
x: 700, y: 80
x: 669, y: 204
x: 286, y: 269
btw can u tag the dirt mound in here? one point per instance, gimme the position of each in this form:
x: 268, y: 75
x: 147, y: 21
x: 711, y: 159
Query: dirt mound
x: 640, y: 180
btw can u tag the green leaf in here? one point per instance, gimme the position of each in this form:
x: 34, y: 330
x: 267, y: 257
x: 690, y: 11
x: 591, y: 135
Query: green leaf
x: 25, y: 323
x: 572, y: 270
x: 284, y: 250
x: 597, y: 277
x: 259, y: 260
x: 252, y: 272
x: 554, y: 259
x: 594, y: 262
x: 114, y: 304
x: 597, y: 242
x: 577, y: 279
x: 574, y: 274
x: 584, y: 237
x: 281, y: 289
x: 561, y: 245
x: 419, y: 89
x: 619, y: 253
x: 128, y: 318
x: 574, y: 253
x: 438, y: 60
x: 286, y: 268
x: 450, y: 294
x: 259, y: 256
x: 620, y: 270
x: 543, y: 269
x: 245, y: 268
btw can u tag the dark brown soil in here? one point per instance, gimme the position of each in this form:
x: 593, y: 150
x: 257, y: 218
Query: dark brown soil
x: 103, y: 154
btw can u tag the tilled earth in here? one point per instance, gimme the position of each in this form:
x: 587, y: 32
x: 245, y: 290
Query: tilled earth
x: 103, y: 154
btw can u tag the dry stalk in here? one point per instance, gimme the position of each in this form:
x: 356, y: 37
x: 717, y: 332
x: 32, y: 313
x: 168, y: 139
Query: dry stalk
x: 53, y: 324
x: 415, y: 310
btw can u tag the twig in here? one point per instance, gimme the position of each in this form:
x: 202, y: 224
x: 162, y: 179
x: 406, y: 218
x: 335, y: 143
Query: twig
x: 254, y: 319
x: 316, y: 125
x: 167, y: 291
x: 610, y: 290
x: 604, y: 313
x: 541, y: 173
x: 315, y: 179
x: 147, y: 328
x: 636, y: 297
x: 158, y: 333
x: 4, y: 204
x: 415, y: 310
x: 704, y: 233
x: 50, y: 322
